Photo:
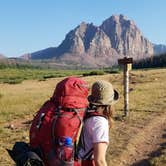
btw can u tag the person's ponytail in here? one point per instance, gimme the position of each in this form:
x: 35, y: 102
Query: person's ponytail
x: 108, y: 112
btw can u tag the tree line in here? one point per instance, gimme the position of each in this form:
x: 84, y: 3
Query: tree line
x: 153, y: 62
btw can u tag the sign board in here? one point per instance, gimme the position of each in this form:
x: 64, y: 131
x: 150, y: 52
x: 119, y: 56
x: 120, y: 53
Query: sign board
x: 125, y: 60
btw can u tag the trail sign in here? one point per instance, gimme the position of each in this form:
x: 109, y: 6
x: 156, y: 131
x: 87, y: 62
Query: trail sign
x: 125, y: 60
x: 127, y: 66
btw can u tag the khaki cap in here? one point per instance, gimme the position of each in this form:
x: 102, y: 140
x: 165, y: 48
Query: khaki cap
x: 103, y: 94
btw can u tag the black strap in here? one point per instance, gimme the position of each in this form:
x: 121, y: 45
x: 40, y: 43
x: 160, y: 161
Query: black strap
x: 54, y: 140
x: 53, y: 125
x: 94, y: 113
x: 88, y: 155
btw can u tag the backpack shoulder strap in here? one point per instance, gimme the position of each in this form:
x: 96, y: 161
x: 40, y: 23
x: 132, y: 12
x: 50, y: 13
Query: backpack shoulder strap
x: 57, y: 114
x: 91, y: 113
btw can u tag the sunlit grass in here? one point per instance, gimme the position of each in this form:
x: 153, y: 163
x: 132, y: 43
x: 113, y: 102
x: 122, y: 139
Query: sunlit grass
x: 19, y: 102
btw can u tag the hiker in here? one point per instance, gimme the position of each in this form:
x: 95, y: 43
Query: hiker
x: 94, y: 137
x: 56, y: 125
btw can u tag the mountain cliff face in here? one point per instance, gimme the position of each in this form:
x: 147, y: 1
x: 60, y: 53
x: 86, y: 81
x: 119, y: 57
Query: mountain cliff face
x: 95, y: 46
x: 126, y: 38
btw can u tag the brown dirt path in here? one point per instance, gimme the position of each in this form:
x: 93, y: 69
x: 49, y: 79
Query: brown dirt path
x: 146, y: 144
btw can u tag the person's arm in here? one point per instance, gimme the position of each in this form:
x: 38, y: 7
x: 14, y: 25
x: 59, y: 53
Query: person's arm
x: 99, y: 153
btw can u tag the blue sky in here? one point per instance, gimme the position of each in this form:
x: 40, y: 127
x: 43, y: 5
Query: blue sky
x: 31, y: 25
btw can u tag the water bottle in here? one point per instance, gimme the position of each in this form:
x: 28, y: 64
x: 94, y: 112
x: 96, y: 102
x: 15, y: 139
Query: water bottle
x: 66, y: 149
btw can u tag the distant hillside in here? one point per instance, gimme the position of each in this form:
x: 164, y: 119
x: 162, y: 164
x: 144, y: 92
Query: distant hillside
x: 41, y: 64
x: 2, y: 56
x: 99, y: 46
x: 16, y: 63
x: 46, y: 53
x: 159, y: 49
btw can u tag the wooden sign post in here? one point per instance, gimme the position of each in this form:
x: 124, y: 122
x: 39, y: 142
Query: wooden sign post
x: 127, y: 65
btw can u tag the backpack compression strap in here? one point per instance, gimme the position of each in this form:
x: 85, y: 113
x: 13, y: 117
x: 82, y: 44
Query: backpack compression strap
x: 58, y: 113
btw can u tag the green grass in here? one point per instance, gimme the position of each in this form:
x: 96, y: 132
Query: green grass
x: 16, y: 76
x: 13, y: 76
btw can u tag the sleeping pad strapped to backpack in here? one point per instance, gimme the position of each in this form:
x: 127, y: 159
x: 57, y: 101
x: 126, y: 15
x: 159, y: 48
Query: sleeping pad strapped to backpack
x: 56, y: 125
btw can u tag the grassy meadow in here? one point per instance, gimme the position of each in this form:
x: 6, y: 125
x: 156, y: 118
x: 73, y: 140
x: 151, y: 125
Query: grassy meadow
x: 19, y: 102
x: 15, y: 76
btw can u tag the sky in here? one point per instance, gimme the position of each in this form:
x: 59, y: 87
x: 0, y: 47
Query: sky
x: 31, y: 25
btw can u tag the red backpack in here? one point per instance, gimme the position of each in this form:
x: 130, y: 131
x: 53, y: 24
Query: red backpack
x: 56, y: 125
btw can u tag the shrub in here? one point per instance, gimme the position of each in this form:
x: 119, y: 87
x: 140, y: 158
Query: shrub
x: 113, y: 71
x: 13, y: 81
x: 42, y: 79
x: 49, y: 76
x: 1, y: 95
x: 97, y: 72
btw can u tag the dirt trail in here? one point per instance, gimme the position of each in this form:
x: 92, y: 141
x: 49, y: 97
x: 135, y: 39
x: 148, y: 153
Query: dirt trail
x: 146, y: 144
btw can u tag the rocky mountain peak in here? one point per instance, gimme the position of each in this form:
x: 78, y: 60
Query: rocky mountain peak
x: 83, y: 25
x: 78, y: 40
x: 117, y: 36
x: 80, y: 30
x: 125, y: 37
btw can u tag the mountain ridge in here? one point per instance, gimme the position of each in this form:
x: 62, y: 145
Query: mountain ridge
x: 92, y: 45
